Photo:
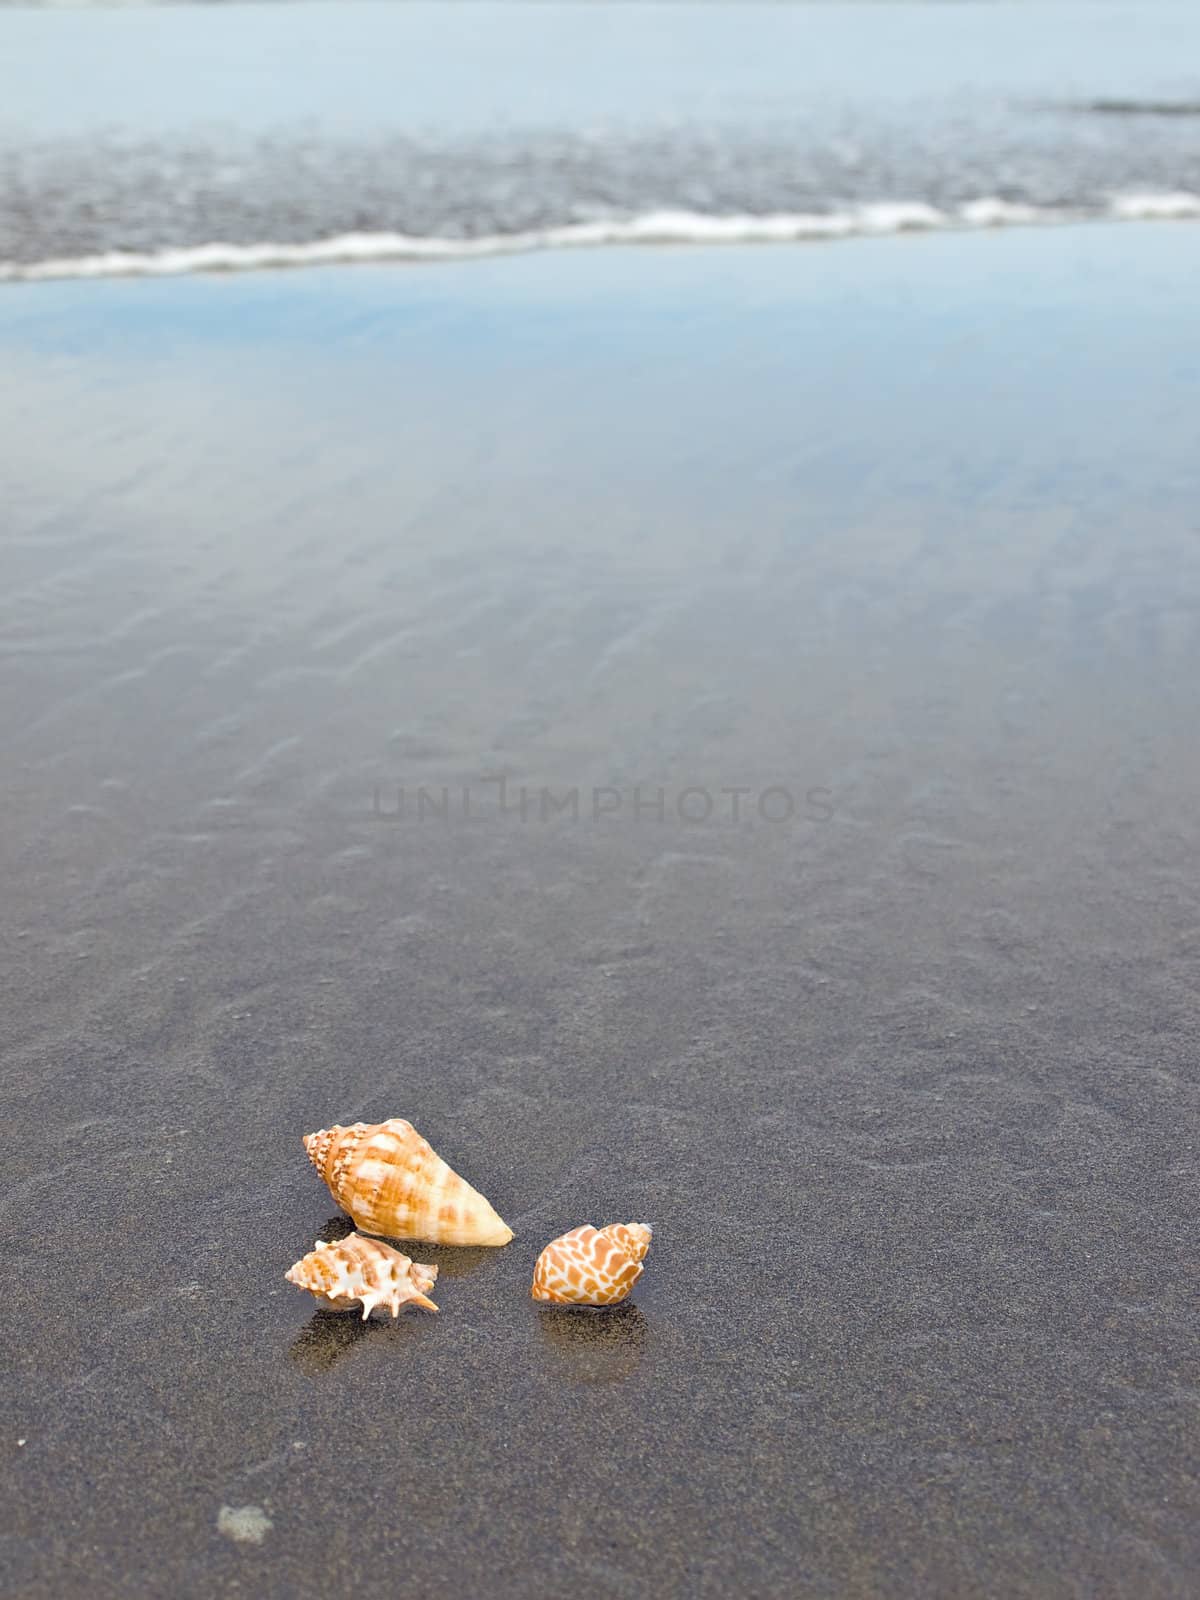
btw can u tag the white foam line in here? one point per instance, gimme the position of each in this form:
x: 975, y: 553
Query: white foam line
x: 653, y: 227
x: 1178, y: 206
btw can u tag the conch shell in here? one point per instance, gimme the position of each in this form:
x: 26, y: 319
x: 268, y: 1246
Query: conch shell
x: 360, y: 1270
x: 592, y: 1267
x: 392, y: 1182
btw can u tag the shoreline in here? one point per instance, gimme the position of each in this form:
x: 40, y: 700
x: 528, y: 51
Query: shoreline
x: 659, y: 228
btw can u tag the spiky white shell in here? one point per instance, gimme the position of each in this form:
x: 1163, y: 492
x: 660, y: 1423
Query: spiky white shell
x: 392, y: 1182
x: 346, y: 1273
x: 592, y: 1266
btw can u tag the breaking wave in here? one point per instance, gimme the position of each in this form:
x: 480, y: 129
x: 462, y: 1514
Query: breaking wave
x: 652, y: 227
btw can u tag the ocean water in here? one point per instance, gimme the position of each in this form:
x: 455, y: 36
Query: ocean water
x: 160, y: 140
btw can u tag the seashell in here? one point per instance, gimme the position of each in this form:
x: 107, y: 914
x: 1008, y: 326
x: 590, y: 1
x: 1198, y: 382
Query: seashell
x: 592, y: 1267
x: 392, y: 1182
x: 363, y: 1270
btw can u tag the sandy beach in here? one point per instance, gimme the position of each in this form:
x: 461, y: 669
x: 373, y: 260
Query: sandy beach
x: 832, y: 618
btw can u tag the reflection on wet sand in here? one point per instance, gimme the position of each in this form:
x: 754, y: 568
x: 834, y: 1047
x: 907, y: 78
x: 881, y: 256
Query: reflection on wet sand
x: 325, y: 1339
x: 329, y: 1335
x: 594, y: 1346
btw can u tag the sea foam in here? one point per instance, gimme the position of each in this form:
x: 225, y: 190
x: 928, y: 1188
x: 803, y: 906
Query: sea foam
x: 663, y: 227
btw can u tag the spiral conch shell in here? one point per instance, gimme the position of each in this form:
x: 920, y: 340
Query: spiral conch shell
x: 392, y: 1182
x: 355, y: 1271
x: 592, y: 1267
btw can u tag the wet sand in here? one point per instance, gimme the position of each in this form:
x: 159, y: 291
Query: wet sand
x: 903, y: 532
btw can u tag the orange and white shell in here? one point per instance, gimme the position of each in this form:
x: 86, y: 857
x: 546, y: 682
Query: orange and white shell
x: 393, y: 1183
x: 590, y: 1266
x: 354, y: 1271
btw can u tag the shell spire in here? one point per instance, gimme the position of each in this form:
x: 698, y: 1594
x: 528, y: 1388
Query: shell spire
x: 592, y: 1266
x: 392, y: 1182
x: 317, y: 1146
x: 347, y: 1273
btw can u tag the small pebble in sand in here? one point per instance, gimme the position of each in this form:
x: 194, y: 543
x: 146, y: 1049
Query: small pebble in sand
x: 244, y: 1524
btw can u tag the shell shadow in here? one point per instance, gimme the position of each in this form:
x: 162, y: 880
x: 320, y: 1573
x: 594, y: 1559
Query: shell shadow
x: 593, y: 1346
x: 452, y: 1261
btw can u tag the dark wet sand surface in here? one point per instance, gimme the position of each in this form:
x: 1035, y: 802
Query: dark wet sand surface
x: 906, y: 1084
